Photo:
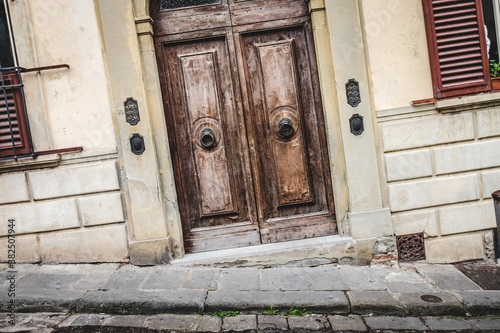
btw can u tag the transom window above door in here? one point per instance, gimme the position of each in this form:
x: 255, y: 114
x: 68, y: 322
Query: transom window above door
x: 174, y: 4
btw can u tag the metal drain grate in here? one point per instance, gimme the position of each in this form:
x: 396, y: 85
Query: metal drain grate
x: 485, y: 276
x: 411, y: 247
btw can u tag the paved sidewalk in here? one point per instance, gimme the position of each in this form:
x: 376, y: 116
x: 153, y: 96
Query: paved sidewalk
x: 376, y: 297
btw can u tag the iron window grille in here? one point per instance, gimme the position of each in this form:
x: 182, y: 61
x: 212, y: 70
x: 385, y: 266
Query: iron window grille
x: 15, y: 135
x: 174, y: 4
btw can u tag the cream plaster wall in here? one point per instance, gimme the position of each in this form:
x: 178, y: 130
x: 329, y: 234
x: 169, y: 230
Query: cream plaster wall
x: 73, y: 104
x: 437, y: 169
x: 361, y: 163
x: 131, y: 73
x: 73, y: 209
x: 35, y: 99
x: 440, y: 168
x: 112, y: 201
x: 396, y: 47
x: 368, y: 216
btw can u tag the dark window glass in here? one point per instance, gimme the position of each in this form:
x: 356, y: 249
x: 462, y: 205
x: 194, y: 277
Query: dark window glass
x: 6, y: 59
x: 489, y: 21
x: 172, y: 4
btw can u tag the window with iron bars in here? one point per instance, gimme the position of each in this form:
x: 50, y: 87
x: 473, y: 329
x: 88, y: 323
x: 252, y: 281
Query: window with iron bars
x: 15, y: 136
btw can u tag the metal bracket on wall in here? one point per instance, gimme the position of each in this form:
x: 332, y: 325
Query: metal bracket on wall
x: 496, y: 231
x: 132, y: 111
x: 352, y: 93
x: 137, y: 144
x: 43, y: 68
x: 356, y: 124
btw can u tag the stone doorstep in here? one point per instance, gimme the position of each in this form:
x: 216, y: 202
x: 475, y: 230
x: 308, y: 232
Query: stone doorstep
x: 304, y: 252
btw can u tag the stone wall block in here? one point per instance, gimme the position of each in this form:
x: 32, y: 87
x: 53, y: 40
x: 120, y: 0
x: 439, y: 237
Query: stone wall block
x: 151, y: 252
x: 40, y: 216
x: 488, y: 122
x: 14, y: 188
x: 376, y: 223
x: 101, y: 209
x: 452, y: 249
x: 27, y: 250
x: 466, y: 218
x: 101, y: 244
x: 464, y: 157
x: 427, y: 131
x: 408, y: 165
x: 416, y: 222
x: 74, y: 180
x: 433, y: 192
x: 491, y: 182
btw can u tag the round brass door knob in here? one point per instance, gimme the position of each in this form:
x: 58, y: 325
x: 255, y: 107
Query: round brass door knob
x: 285, y: 127
x: 207, y: 138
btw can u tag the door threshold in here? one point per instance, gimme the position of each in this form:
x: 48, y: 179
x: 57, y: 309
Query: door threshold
x: 317, y: 251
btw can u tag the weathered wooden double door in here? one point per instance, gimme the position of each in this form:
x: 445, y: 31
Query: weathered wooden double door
x: 245, y: 121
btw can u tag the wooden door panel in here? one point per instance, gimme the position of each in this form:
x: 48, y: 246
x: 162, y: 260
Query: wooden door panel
x: 279, y: 83
x: 211, y: 174
x: 192, y: 19
x: 296, y: 196
x: 202, y: 102
x: 248, y: 12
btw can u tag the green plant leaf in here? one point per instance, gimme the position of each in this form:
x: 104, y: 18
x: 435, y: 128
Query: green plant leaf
x: 220, y: 314
x: 494, y: 68
x: 270, y: 311
x: 296, y: 312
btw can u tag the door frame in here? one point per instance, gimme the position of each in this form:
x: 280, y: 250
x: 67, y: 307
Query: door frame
x: 336, y: 157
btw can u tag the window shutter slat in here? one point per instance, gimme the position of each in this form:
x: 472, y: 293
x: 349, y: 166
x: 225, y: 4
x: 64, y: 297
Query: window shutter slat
x: 457, y: 47
x: 451, y: 14
x: 444, y: 41
x: 15, y: 138
x: 459, y: 70
x: 461, y: 65
x: 459, y: 34
x: 451, y: 85
x: 448, y: 27
x: 12, y: 120
x: 5, y: 112
x: 455, y: 60
x: 472, y: 52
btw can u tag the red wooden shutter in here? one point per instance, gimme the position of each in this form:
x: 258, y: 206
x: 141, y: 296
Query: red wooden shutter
x: 14, y: 133
x: 457, y: 47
